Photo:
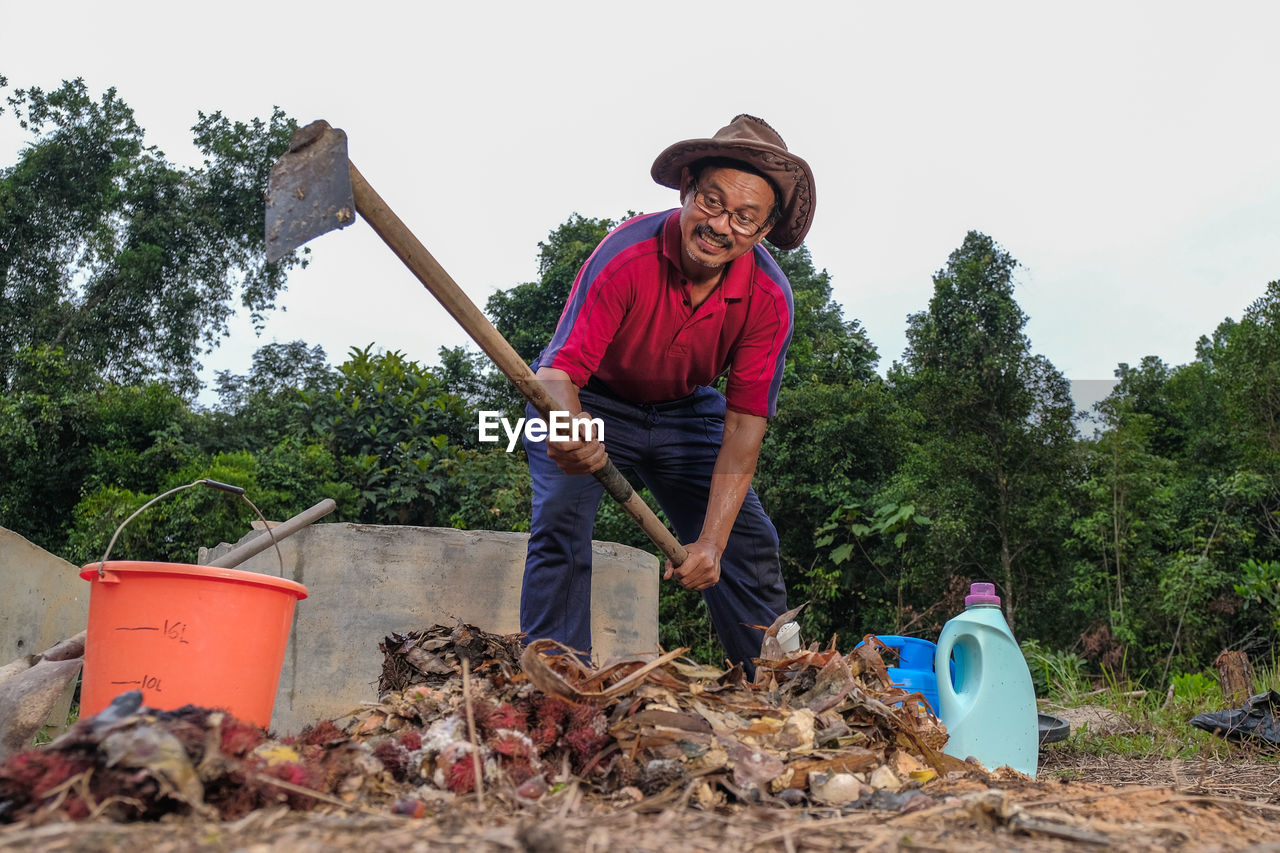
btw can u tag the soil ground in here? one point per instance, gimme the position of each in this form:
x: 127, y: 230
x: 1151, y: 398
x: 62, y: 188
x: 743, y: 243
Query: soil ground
x: 1077, y: 803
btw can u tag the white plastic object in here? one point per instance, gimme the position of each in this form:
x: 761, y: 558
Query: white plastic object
x: 789, y: 637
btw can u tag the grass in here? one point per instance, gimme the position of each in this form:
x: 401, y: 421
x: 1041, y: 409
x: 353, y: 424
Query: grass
x: 1157, y: 725
x: 46, y: 734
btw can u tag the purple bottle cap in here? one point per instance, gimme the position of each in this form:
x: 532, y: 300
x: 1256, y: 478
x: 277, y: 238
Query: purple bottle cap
x: 981, y: 593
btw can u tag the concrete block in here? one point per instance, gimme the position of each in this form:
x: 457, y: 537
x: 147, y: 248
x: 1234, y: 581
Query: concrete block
x: 44, y: 601
x: 367, y: 581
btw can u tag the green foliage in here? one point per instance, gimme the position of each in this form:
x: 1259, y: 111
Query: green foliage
x: 1196, y: 690
x: 126, y: 263
x: 285, y: 481
x: 1260, y: 585
x: 62, y: 434
x: 825, y: 348
x: 390, y: 423
x: 276, y: 369
x: 264, y: 407
x: 1248, y: 359
x: 378, y: 435
x: 1058, y: 675
x: 1154, y: 723
x: 888, y: 519
x: 860, y: 540
x: 469, y: 375
x: 685, y: 622
x: 1181, y: 489
x: 409, y: 447
x: 173, y: 529
x: 488, y: 490
x: 1123, y: 524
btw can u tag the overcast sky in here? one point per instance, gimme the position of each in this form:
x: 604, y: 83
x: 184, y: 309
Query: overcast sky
x: 1126, y: 154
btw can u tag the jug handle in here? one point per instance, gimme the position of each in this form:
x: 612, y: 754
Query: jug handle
x: 942, y: 669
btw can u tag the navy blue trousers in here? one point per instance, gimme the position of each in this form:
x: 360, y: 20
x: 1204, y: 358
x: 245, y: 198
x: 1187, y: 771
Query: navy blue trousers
x: 672, y: 448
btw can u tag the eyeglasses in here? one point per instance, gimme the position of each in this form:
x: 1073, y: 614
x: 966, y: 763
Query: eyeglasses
x: 741, y: 223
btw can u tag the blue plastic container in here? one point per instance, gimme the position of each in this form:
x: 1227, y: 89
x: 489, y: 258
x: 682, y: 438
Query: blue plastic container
x: 989, y: 703
x: 914, y: 671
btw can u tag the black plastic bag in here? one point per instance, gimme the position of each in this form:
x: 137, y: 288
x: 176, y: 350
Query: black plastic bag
x: 1258, y: 719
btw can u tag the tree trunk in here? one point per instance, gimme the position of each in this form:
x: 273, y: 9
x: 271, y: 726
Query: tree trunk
x: 1235, y: 674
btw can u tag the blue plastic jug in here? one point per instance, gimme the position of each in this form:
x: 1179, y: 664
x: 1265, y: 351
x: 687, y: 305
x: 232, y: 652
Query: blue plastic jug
x: 989, y: 704
x: 914, y: 671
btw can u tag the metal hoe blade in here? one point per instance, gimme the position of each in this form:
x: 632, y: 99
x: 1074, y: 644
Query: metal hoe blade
x: 309, y: 192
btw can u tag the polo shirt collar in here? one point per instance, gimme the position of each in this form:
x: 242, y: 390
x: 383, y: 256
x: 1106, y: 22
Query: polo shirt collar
x: 736, y: 283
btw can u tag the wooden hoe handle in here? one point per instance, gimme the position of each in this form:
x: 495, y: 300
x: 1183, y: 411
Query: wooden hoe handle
x: 415, y: 256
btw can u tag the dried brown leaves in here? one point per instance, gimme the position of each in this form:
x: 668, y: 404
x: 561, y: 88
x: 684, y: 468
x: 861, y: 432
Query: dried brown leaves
x: 816, y: 723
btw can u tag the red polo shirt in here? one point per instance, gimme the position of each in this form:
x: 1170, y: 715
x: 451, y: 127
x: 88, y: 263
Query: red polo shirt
x: 629, y: 322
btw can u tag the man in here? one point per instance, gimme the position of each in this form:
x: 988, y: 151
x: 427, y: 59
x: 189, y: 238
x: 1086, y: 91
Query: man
x: 668, y: 303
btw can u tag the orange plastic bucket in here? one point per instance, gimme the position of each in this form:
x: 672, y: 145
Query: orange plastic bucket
x: 186, y: 635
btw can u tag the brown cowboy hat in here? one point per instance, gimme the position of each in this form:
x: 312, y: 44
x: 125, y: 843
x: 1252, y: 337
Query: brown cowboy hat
x: 752, y: 141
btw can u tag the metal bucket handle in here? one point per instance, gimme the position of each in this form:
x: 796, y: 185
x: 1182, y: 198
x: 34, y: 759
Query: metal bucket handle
x: 212, y: 484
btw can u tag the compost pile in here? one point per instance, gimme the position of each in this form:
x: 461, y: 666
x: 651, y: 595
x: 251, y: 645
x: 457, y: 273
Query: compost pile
x: 464, y: 712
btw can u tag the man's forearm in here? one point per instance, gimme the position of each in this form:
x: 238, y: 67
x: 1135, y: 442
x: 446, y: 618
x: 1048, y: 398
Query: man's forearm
x: 561, y: 388
x: 735, y: 467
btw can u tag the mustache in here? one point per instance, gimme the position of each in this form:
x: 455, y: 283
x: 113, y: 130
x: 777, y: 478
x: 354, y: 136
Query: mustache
x: 706, y: 232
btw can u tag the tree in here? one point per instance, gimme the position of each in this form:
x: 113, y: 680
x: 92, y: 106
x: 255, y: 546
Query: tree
x: 1249, y: 357
x: 112, y: 254
x: 64, y: 433
x: 257, y: 410
x: 1122, y: 529
x: 992, y: 453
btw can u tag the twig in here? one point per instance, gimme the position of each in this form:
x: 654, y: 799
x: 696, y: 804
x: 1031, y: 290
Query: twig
x: 81, y: 781
x: 625, y: 684
x: 471, y: 730
x: 1031, y: 823
x: 258, y: 820
x: 81, y: 778
x: 1131, y: 694
x: 101, y: 808
x: 1221, y: 801
x: 571, y: 798
x: 60, y: 792
x: 317, y: 795
x: 607, y: 752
